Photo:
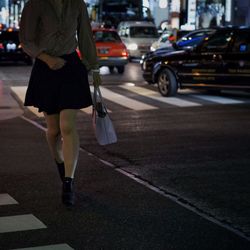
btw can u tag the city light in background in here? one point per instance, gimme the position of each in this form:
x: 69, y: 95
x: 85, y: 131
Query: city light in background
x: 179, y: 14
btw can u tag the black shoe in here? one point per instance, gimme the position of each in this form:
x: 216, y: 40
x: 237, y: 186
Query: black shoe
x: 61, y: 170
x: 68, y: 195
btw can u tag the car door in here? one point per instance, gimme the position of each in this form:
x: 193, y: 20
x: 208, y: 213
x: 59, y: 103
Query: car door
x: 204, y: 65
x: 237, y: 61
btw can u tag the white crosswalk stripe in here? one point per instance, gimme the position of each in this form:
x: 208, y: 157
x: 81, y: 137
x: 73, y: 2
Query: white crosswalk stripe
x: 20, y: 223
x: 6, y: 199
x: 156, y: 96
x: 217, y: 99
x: 24, y: 222
x: 49, y: 247
x: 194, y: 98
x: 20, y: 91
x: 124, y: 101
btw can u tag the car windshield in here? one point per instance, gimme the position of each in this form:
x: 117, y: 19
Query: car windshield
x: 193, y: 39
x: 143, y: 32
x: 218, y: 42
x: 106, y: 36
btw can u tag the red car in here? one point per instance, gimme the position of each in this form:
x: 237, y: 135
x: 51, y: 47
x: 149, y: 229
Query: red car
x: 111, y: 51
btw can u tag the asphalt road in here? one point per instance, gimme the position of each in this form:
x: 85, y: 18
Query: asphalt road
x: 193, y: 148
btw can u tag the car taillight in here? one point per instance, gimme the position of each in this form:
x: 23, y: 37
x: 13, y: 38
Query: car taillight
x: 125, y: 53
x: 1, y: 46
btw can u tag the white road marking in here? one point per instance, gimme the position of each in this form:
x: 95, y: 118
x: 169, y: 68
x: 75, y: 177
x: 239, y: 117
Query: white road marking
x: 49, y: 247
x: 124, y: 101
x: 87, y: 110
x: 20, y: 93
x: 217, y: 99
x: 156, y: 96
x: 20, y: 223
x: 166, y: 194
x: 6, y: 199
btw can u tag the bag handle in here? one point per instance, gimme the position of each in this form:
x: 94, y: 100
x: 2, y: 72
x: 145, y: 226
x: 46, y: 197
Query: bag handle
x: 99, y: 105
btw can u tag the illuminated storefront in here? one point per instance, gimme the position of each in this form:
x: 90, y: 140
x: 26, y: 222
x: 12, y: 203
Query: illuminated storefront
x: 10, y: 12
x: 185, y: 14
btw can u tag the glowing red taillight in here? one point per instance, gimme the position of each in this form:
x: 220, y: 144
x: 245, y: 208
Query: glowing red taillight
x: 125, y: 53
x: 1, y: 46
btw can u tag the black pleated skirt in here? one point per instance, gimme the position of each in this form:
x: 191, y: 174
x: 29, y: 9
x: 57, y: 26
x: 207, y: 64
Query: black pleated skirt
x: 52, y: 91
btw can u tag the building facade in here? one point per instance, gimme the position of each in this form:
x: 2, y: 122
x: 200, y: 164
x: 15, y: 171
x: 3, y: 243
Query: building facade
x: 179, y: 14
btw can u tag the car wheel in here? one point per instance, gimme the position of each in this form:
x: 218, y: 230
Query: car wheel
x: 167, y: 83
x: 120, y: 69
x: 111, y: 69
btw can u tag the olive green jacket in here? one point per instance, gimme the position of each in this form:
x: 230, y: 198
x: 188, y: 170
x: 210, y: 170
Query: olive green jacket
x: 44, y: 28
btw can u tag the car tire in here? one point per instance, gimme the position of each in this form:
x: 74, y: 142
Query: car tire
x: 111, y: 69
x: 120, y: 69
x: 167, y: 83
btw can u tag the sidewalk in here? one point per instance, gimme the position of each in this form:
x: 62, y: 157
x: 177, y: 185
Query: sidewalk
x: 111, y: 212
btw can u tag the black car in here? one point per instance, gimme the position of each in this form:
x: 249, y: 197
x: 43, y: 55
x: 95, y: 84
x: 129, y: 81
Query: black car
x: 187, y: 41
x: 10, y: 48
x: 220, y: 61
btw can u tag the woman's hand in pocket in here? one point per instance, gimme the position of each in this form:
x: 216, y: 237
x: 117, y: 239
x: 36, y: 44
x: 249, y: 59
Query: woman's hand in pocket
x: 53, y: 62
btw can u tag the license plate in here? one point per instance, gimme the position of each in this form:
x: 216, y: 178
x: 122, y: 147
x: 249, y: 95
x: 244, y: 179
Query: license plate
x: 103, y: 51
x: 11, y: 47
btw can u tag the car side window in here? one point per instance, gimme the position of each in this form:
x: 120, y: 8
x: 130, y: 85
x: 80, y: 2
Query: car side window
x: 242, y: 42
x: 217, y: 43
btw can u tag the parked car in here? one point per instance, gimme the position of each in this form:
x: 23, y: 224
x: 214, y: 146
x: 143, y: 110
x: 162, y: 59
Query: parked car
x: 111, y: 51
x: 220, y: 61
x: 10, y: 48
x: 137, y: 36
x: 189, y: 40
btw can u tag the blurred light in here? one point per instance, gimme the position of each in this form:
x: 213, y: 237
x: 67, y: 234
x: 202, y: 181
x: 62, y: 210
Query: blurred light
x: 130, y: 84
x: 163, y: 4
x: 125, y: 53
x: 152, y: 48
x: 133, y: 46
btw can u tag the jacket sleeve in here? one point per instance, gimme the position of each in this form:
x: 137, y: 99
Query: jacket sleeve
x: 28, y: 29
x: 85, y: 39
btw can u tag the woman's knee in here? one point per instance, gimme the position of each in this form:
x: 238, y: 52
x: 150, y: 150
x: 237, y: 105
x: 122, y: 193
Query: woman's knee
x: 67, y: 128
x: 53, y: 131
x: 68, y: 121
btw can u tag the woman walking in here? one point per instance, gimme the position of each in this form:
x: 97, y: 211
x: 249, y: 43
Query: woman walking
x: 50, y: 31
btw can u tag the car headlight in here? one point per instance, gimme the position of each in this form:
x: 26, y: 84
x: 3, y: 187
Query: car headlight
x: 133, y: 46
x: 152, y: 48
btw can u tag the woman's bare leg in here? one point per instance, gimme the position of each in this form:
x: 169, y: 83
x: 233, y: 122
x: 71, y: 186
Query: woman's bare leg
x: 53, y: 136
x: 70, y: 146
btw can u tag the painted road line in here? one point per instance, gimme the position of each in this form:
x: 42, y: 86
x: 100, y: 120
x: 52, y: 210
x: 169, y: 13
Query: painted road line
x: 6, y: 199
x: 124, y: 101
x: 218, y: 99
x: 20, y: 92
x: 88, y: 110
x: 49, y: 247
x: 20, y: 223
x: 156, y: 96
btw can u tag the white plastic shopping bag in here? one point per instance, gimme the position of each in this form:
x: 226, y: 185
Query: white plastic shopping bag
x: 103, y: 126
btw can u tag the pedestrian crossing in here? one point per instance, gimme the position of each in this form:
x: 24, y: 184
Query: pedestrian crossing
x: 142, y: 98
x: 24, y: 222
